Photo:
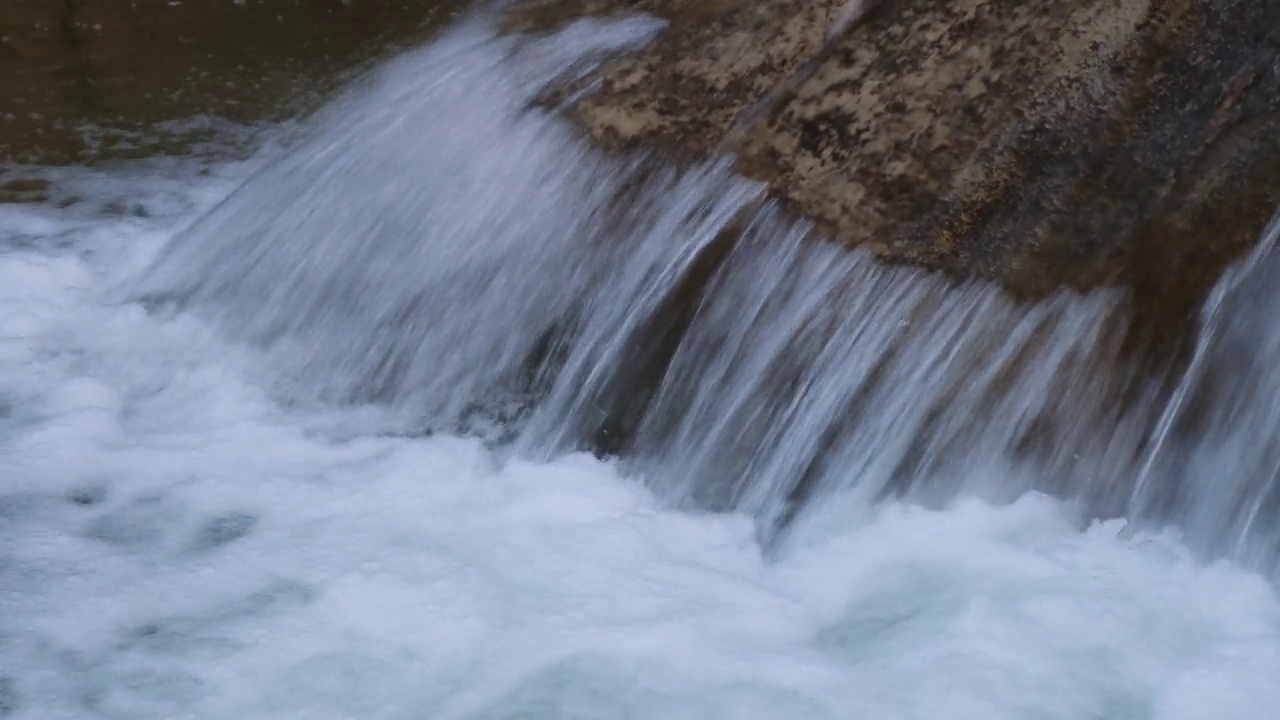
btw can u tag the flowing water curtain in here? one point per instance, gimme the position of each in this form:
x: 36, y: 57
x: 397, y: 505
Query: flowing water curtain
x: 417, y: 248
x: 1214, y: 458
x: 437, y: 244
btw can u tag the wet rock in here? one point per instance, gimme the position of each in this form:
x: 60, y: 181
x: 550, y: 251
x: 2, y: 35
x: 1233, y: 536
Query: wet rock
x: 687, y: 89
x: 25, y: 189
x: 1034, y: 143
x: 1043, y: 144
x: 87, y: 80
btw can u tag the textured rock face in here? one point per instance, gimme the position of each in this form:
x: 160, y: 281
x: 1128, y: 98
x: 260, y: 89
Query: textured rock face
x: 1042, y: 143
x: 1036, y: 143
x: 718, y: 62
x: 697, y: 81
x: 83, y: 80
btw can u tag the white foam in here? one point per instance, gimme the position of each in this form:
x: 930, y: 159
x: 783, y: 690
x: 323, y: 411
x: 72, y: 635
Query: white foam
x: 173, y: 544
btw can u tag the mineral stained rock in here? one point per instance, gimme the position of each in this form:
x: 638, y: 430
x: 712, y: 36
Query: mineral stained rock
x: 1039, y: 144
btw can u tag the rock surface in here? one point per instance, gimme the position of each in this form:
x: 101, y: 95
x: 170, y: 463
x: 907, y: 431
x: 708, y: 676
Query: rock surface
x: 87, y: 80
x: 1034, y: 143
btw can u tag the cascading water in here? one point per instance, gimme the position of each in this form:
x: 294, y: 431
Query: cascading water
x: 450, y: 251
x: 240, y: 482
x: 1213, y: 461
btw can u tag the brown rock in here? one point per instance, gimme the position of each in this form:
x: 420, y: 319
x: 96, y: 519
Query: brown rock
x: 24, y: 189
x: 697, y: 81
x: 1041, y: 143
x: 1034, y: 143
x: 83, y: 80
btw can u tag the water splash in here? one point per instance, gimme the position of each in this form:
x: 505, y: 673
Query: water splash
x: 421, y: 244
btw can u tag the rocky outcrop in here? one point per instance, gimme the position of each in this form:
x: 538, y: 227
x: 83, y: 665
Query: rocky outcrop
x: 85, y: 80
x: 1035, y: 143
x: 686, y: 91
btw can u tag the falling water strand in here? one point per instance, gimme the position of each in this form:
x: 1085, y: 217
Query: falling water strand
x: 1213, y: 464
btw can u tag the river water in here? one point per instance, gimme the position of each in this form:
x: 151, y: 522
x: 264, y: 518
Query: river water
x: 437, y: 413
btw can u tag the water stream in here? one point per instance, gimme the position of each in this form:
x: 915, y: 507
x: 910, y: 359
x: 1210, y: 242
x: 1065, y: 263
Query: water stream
x: 440, y: 413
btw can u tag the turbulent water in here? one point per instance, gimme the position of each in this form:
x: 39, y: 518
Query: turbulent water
x: 439, y: 413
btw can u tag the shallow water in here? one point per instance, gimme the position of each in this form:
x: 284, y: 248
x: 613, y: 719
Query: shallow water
x: 217, y: 501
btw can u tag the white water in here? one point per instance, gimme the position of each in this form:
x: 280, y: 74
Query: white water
x: 197, y: 521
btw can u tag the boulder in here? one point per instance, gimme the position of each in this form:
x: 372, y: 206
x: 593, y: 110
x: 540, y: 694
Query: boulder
x: 1038, y: 144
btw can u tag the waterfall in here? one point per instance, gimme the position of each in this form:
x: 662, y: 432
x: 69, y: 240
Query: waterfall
x: 442, y: 247
x: 437, y: 411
